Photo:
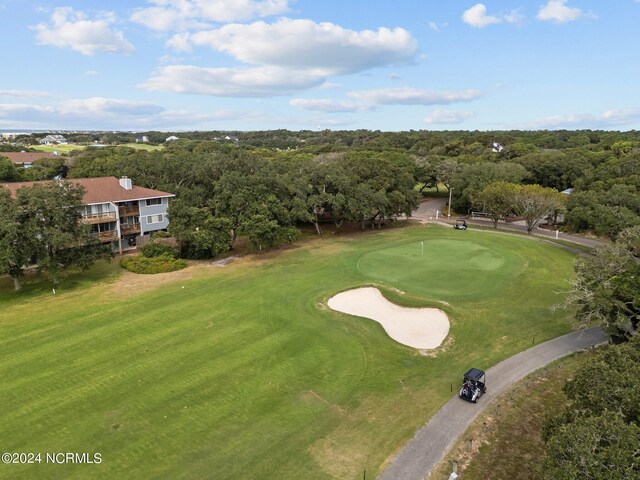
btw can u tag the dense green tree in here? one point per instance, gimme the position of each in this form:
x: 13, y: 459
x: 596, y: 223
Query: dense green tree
x: 609, y: 383
x: 42, y: 225
x: 51, y: 214
x: 426, y: 173
x: 534, y: 202
x: 620, y: 149
x: 198, y: 232
x: 594, y: 447
x: 8, y: 170
x: 496, y: 200
x: 46, y: 168
x: 598, y: 435
x: 555, y: 169
x: 472, y: 179
x: 264, y: 232
x: 606, y: 288
x: 604, y: 212
x: 16, y: 242
x: 446, y: 171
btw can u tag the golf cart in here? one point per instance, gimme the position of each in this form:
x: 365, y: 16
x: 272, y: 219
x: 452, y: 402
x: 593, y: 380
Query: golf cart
x: 473, y: 385
x: 460, y: 225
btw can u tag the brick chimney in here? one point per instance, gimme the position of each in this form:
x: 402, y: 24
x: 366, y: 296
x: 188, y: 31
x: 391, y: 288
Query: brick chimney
x: 125, y: 183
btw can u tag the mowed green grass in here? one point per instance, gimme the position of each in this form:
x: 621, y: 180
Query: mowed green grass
x: 243, y: 373
x: 67, y: 148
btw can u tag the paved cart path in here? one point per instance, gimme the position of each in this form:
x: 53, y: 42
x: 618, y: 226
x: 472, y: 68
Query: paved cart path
x: 426, y: 212
x: 436, y: 437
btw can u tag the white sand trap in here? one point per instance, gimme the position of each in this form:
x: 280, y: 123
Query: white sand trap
x: 423, y: 328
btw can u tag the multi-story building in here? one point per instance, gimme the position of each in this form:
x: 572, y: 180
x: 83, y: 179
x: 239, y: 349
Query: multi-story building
x: 119, y: 213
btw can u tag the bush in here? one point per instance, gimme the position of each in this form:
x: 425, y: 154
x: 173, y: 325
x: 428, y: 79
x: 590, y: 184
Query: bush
x: 160, y: 264
x: 156, y: 249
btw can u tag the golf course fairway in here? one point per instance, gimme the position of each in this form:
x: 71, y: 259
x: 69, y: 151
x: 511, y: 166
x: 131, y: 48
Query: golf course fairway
x: 243, y: 372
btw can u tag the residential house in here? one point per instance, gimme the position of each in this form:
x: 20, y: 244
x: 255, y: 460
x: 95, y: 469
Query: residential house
x: 53, y: 140
x: 142, y: 139
x: 26, y: 159
x: 119, y: 213
x: 171, y: 138
x: 11, y: 135
x: 496, y: 147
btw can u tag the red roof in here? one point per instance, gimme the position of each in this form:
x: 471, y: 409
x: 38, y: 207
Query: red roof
x: 27, y: 157
x: 100, y: 190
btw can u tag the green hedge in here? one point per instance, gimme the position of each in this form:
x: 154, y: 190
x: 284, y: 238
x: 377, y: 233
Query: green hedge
x: 160, y: 264
x: 155, y: 249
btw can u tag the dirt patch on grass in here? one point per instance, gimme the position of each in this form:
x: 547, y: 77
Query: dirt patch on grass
x: 129, y: 284
x: 334, y: 459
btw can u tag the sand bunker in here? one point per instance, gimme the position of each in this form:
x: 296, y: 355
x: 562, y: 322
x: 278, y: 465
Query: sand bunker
x: 423, y: 328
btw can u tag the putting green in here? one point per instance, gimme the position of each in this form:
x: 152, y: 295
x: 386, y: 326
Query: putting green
x: 443, y: 267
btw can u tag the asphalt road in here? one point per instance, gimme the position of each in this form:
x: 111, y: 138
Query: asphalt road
x: 427, y: 448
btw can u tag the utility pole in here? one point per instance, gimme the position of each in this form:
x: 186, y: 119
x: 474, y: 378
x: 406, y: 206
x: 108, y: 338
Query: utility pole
x: 449, y: 212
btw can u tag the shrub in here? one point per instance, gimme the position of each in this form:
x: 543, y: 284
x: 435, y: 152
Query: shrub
x: 160, y: 264
x: 156, y: 249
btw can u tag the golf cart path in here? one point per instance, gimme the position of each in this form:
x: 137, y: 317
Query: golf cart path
x: 429, y: 445
x: 429, y: 208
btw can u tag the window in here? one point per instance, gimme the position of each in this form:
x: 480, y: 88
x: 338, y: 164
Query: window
x: 155, y: 218
x: 154, y: 201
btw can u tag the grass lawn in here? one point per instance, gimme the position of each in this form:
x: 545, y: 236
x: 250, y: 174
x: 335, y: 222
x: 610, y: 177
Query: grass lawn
x: 243, y: 372
x: 61, y: 149
x: 65, y: 149
x: 143, y: 146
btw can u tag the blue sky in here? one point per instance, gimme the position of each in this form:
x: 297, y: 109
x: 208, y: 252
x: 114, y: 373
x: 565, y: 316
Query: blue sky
x: 317, y: 64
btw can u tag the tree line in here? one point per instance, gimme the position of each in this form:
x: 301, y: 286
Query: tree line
x: 259, y: 190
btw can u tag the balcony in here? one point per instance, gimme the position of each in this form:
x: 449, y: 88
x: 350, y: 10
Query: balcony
x: 108, y: 236
x: 129, y: 228
x: 129, y: 211
x: 103, y: 217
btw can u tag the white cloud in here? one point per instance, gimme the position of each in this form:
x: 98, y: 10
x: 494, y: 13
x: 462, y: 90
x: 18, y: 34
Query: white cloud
x: 413, y: 96
x: 365, y: 100
x: 477, y: 16
x: 436, y: 27
x: 185, y: 14
x: 23, y: 93
x: 332, y: 85
x: 232, y: 82
x: 328, y: 105
x: 71, y: 29
x: 90, y: 73
x: 19, y: 113
x: 305, y: 44
x: 622, y: 116
x: 557, y: 11
x: 107, y: 106
x: 445, y: 117
x: 104, y: 113
x: 609, y: 119
x: 284, y: 57
x: 515, y: 16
